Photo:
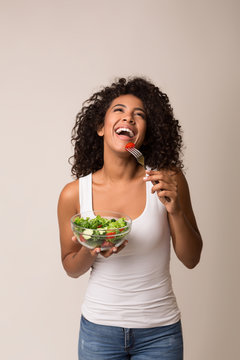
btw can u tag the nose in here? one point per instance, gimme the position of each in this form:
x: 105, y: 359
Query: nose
x: 129, y: 119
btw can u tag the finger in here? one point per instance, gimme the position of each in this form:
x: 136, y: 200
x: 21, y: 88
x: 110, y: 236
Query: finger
x: 159, y: 178
x: 107, y: 253
x: 156, y: 176
x: 114, y: 250
x: 164, y: 198
x: 152, y: 172
x: 74, y: 239
x: 163, y: 172
x: 163, y: 186
x: 166, y: 195
x: 95, y: 251
x: 119, y: 248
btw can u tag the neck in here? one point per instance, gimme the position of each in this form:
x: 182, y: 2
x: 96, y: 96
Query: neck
x: 117, y: 168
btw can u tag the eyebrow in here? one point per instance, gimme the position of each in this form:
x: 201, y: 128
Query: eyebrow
x: 136, y: 108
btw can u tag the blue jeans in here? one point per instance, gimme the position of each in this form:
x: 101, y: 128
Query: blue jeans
x: 100, y: 342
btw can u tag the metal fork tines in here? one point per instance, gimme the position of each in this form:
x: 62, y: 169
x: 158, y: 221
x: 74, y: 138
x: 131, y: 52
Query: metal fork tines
x: 138, y: 155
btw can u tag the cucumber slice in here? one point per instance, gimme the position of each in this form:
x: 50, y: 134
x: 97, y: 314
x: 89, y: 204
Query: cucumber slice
x: 102, y: 230
x: 87, y: 234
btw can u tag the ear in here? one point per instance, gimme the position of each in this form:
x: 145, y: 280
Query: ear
x: 100, y: 130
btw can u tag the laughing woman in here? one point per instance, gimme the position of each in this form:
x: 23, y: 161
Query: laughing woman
x: 130, y: 310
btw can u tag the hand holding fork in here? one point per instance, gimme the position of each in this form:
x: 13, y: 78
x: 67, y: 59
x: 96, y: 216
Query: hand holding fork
x: 140, y: 159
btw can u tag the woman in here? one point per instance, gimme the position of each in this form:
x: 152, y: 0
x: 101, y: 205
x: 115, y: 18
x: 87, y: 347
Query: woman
x: 130, y: 311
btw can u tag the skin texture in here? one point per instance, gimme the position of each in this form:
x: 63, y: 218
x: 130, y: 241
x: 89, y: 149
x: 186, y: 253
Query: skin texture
x: 120, y: 186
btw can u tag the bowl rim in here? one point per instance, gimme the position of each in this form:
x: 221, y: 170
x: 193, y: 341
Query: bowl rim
x: 127, y: 219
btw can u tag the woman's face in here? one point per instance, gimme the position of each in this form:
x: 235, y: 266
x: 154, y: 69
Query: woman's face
x: 125, y: 121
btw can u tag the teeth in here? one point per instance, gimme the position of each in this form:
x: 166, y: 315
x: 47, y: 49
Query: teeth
x: 125, y: 129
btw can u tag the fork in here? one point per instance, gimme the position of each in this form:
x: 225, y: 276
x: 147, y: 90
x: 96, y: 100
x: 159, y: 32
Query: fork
x: 137, y: 154
x: 130, y: 147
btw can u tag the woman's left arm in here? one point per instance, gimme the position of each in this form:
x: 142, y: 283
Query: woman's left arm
x: 172, y: 190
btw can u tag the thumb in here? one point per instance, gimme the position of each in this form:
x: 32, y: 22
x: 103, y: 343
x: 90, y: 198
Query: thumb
x: 74, y: 239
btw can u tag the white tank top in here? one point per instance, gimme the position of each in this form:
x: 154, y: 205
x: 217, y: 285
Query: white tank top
x: 133, y: 289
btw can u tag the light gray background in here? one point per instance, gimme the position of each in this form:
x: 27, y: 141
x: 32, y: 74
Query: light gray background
x: 54, y: 55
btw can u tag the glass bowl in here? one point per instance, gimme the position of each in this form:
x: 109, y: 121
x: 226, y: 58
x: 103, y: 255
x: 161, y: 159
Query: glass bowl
x: 98, y: 233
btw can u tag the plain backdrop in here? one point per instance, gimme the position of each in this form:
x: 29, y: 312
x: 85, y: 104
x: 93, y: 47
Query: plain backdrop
x: 54, y: 55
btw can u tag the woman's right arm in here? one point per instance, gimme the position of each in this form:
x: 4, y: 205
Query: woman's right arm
x: 76, y: 259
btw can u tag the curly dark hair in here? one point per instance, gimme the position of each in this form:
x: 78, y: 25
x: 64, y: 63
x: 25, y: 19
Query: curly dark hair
x: 163, y: 143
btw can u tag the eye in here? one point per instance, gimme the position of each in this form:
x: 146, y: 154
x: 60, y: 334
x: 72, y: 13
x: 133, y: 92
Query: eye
x: 142, y: 115
x: 118, y: 109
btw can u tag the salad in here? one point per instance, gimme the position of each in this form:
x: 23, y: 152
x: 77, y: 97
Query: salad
x: 100, y: 231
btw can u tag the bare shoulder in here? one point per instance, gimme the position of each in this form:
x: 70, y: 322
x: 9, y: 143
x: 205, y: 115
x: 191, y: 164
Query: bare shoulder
x: 69, y: 196
x: 69, y: 189
x: 179, y: 178
x: 181, y: 181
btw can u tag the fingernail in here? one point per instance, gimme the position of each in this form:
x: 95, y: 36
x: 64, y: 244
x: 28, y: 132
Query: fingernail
x: 145, y: 177
x: 114, y: 250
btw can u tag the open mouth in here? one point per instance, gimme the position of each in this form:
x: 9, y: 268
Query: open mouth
x: 125, y: 132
